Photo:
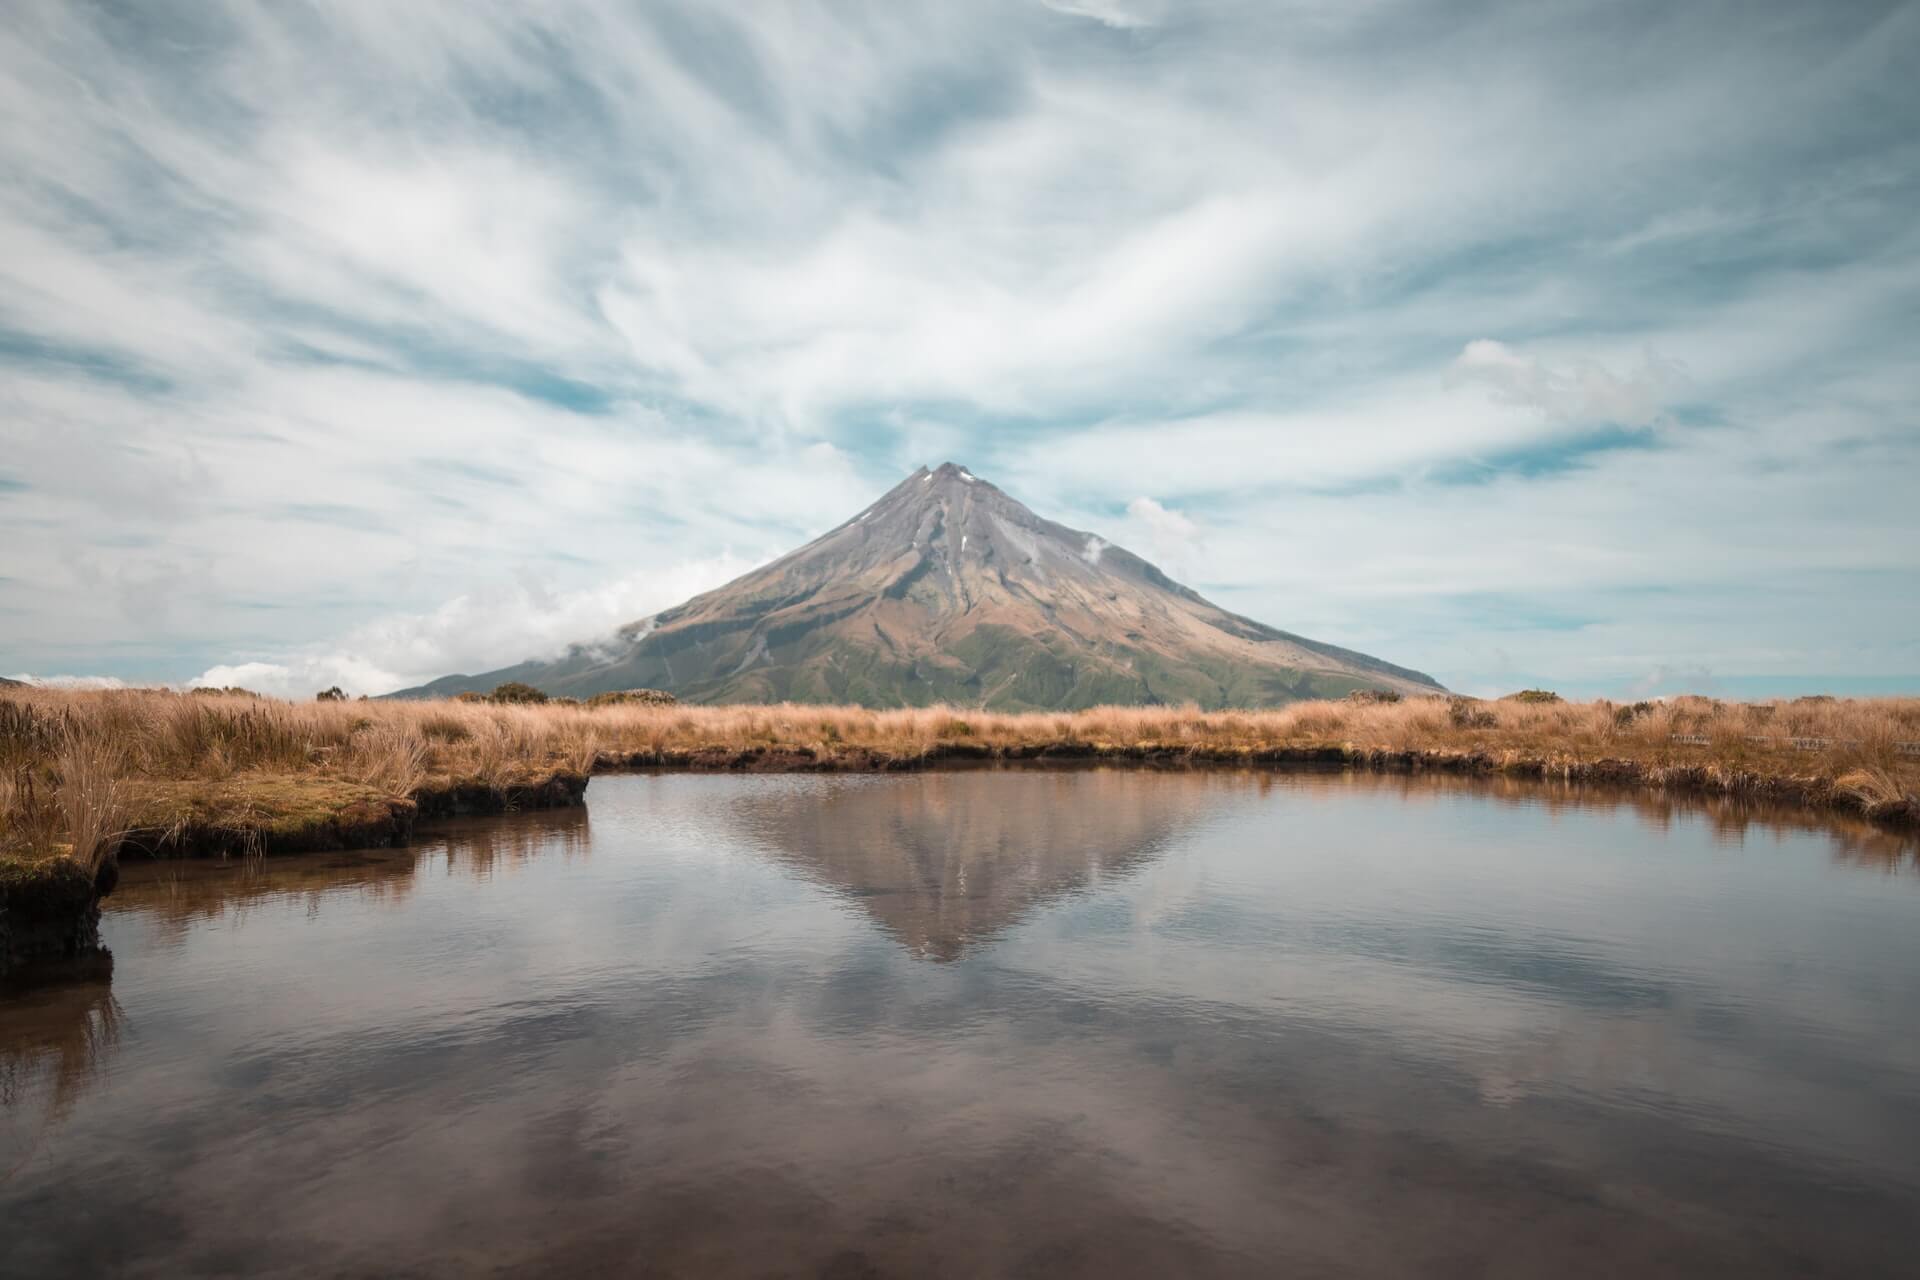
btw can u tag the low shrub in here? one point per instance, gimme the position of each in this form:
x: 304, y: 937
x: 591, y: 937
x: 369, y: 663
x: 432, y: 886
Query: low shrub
x: 1467, y: 713
x: 632, y: 697
x: 1626, y: 715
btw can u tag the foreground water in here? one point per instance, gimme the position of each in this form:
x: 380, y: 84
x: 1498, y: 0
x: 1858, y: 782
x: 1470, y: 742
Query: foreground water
x: 1079, y: 1023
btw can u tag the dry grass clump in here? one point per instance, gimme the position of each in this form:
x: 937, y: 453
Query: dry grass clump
x: 445, y: 729
x: 94, y: 798
x: 391, y: 758
x: 61, y: 787
x: 1873, y: 788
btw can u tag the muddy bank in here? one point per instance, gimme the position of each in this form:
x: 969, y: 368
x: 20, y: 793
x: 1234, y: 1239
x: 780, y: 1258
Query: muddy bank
x: 1809, y: 792
x: 49, y: 909
x: 558, y: 791
x: 368, y: 822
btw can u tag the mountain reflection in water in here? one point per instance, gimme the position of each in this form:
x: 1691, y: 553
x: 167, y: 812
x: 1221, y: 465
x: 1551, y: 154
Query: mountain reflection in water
x: 940, y: 866
x: 1075, y: 1022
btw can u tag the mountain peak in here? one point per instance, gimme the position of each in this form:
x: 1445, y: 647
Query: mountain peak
x: 947, y: 589
x: 945, y: 477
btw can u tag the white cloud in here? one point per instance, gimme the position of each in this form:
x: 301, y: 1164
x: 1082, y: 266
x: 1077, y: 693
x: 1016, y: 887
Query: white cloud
x: 1171, y: 540
x: 1578, y: 392
x: 71, y: 682
x: 476, y: 632
x: 1165, y: 523
x: 298, y: 678
x: 1112, y: 13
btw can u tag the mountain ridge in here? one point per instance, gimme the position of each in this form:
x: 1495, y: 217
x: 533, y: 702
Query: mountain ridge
x: 946, y: 589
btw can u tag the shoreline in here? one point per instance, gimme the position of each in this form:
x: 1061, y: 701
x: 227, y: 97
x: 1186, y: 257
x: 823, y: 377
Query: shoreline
x: 364, y: 824
x: 51, y: 910
x: 90, y: 778
x: 1809, y: 792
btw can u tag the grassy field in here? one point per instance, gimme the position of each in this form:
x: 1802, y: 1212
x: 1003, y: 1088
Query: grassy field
x: 78, y: 771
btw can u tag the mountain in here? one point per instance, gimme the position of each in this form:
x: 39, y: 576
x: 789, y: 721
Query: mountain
x: 948, y: 590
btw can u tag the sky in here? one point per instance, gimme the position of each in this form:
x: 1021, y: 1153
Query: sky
x: 1572, y: 345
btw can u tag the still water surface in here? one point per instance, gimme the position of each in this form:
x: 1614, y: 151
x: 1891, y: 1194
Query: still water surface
x: 999, y: 1023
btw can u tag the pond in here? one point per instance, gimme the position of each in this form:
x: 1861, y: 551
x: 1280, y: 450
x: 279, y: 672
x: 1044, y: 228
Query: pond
x: 1073, y: 1022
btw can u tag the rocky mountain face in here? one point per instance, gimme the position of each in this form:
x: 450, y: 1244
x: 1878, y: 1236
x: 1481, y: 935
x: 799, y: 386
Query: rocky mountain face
x: 948, y: 590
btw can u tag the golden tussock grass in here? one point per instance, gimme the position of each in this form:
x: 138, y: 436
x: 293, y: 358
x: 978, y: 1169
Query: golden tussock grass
x: 78, y: 767
x: 62, y: 786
